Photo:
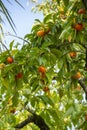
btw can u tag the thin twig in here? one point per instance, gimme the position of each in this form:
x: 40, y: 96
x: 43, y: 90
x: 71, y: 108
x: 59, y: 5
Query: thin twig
x: 9, y: 34
x: 5, y: 47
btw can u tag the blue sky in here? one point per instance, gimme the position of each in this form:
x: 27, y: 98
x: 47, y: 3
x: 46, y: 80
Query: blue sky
x: 23, y: 19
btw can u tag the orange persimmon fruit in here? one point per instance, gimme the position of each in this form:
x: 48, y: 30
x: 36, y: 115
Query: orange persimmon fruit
x: 77, y: 75
x: 42, y: 69
x: 9, y: 59
x: 78, y: 26
x: 12, y: 110
x: 72, y: 54
x: 19, y: 75
x: 81, y: 11
x: 86, y: 118
x: 40, y: 33
x: 45, y: 89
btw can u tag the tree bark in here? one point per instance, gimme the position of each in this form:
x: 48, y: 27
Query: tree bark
x: 36, y: 119
x: 83, y: 86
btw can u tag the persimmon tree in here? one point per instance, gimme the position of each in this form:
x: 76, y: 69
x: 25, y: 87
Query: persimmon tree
x: 43, y: 84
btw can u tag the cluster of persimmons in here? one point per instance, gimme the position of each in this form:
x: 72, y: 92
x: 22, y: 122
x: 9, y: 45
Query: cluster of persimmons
x: 78, y: 27
x: 78, y: 74
x: 42, y: 71
x: 11, y: 60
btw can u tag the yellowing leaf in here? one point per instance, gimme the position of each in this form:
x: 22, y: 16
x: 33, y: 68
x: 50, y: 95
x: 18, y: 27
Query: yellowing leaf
x: 69, y: 38
x: 5, y: 82
x: 2, y: 65
x: 74, y: 20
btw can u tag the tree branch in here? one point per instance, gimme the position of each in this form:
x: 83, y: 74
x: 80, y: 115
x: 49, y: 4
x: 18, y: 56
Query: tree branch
x: 36, y: 119
x: 25, y: 122
x: 9, y: 34
x: 83, y: 86
x: 5, y: 48
x: 86, y: 60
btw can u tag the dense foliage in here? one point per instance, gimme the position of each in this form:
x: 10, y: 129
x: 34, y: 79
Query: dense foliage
x: 47, y: 76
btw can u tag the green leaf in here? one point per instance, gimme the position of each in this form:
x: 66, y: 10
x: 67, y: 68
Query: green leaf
x: 69, y: 111
x: 5, y: 82
x: 47, y: 18
x: 54, y: 114
x: 1, y: 124
x: 36, y: 27
x: 66, y: 2
x: 81, y: 125
x: 58, y: 1
x: 56, y: 52
x: 34, y: 51
x: 15, y: 99
x: 11, y: 119
x: 11, y: 44
x: 53, y: 59
x: 46, y: 100
x: 9, y: 68
x: 37, y: 20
